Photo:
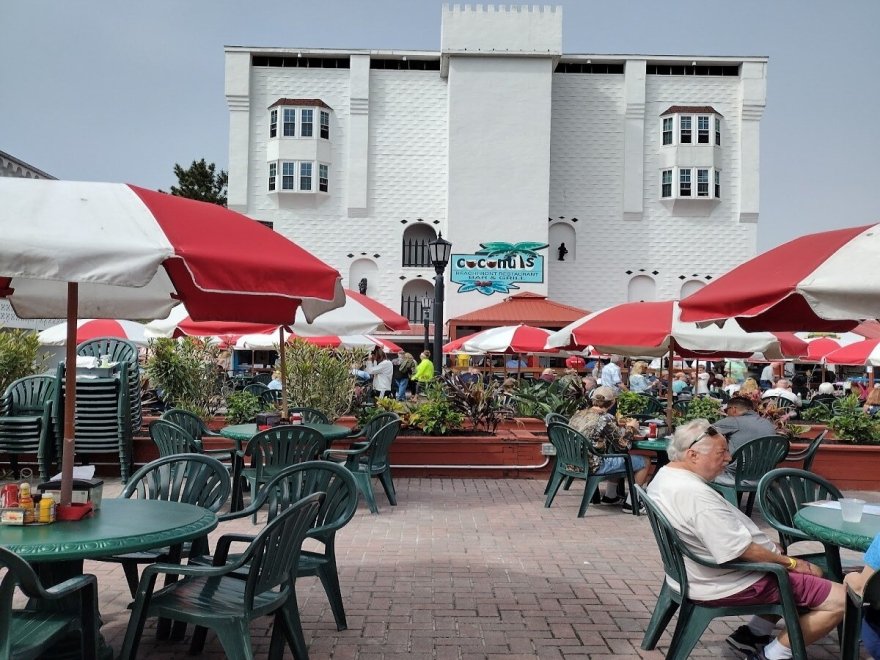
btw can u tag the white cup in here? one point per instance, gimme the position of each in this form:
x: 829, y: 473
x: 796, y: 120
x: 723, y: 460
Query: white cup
x: 851, y: 509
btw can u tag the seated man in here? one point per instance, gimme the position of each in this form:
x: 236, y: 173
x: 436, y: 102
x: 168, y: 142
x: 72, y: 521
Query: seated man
x: 713, y: 528
x: 871, y: 622
x: 783, y: 389
x: 471, y: 376
x: 741, y: 425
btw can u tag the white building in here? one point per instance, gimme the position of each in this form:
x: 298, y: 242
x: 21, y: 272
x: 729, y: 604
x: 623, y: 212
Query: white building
x: 645, y: 167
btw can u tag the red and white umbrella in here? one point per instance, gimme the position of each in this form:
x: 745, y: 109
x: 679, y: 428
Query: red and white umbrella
x: 816, y: 282
x: 358, y: 315
x: 865, y: 352
x: 652, y: 328
x: 87, y: 329
x: 111, y: 250
x: 505, y: 339
x: 262, y: 341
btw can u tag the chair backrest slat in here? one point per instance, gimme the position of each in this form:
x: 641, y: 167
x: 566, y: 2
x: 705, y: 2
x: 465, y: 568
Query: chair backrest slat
x: 186, y: 420
x: 757, y: 457
x: 571, y: 449
x: 310, y: 415
x: 172, y: 439
x: 29, y: 395
x: 188, y: 478
x: 783, y: 492
x: 380, y: 443
x: 667, y: 542
x: 285, y: 445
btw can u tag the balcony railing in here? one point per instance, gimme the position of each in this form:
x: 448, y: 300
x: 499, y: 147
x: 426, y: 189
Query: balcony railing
x: 416, y: 253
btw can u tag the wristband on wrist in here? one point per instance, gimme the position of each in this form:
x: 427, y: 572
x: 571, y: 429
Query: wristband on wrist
x: 792, y: 563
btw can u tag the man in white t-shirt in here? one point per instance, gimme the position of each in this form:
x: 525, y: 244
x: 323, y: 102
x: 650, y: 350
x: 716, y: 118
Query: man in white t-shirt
x: 783, y: 389
x: 611, y: 375
x: 718, y: 531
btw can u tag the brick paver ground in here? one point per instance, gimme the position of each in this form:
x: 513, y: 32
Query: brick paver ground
x: 471, y: 569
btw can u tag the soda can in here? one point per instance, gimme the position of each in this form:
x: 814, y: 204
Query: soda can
x: 652, y: 429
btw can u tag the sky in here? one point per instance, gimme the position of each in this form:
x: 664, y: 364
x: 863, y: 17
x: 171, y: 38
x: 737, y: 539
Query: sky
x: 121, y: 91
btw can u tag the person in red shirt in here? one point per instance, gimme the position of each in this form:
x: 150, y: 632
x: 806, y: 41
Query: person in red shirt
x: 575, y: 362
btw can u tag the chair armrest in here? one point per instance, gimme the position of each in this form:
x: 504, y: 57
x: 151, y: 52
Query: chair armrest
x: 223, y: 545
x: 70, y: 586
x: 329, y: 453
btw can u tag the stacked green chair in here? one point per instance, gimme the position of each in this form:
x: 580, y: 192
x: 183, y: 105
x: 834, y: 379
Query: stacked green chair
x: 188, y: 478
x: 781, y: 494
x: 857, y: 607
x: 120, y: 350
x: 340, y: 503
x: 215, y: 597
x: 753, y: 460
x: 269, y: 452
x: 30, y: 632
x: 370, y: 459
x: 26, y: 423
x: 103, y: 417
x: 694, y: 616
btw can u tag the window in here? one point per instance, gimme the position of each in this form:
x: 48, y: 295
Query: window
x: 288, y: 175
x: 325, y: 125
x: 717, y: 184
x: 273, y: 171
x: 323, y: 178
x: 273, y: 123
x: 717, y: 131
x: 289, y: 122
x: 666, y: 183
x: 702, y: 129
x: 667, y: 130
x: 305, y: 126
x: 685, y: 130
x: 305, y: 176
x: 684, y: 183
x: 702, y: 183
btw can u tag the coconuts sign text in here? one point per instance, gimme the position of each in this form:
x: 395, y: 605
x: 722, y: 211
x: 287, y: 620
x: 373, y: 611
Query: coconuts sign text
x: 497, y: 267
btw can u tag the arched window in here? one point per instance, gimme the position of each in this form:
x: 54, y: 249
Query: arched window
x: 642, y: 288
x: 415, y: 252
x: 689, y: 287
x: 562, y: 235
x: 363, y: 269
x: 411, y: 298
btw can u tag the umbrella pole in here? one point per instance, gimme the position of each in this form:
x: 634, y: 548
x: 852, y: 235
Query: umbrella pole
x: 282, y: 350
x: 67, y: 450
x: 669, y: 386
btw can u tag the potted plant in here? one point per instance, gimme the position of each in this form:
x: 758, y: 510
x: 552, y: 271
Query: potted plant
x: 321, y: 379
x: 186, y: 372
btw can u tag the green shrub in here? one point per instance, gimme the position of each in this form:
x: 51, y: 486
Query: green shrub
x: 484, y: 404
x: 564, y: 396
x: 818, y: 412
x: 703, y: 407
x: 630, y: 404
x: 436, y: 416
x: 242, y: 407
x: 851, y: 424
x: 19, y: 356
x: 321, y: 379
x: 186, y: 371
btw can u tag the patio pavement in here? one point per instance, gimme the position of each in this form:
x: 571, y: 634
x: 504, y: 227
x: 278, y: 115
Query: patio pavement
x: 468, y: 569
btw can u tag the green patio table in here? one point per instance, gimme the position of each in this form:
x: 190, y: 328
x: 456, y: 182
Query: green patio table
x: 120, y: 526
x: 827, y: 525
x: 657, y: 445
x: 244, y: 432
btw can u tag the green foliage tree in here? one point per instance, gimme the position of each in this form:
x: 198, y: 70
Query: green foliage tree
x: 186, y: 371
x: 321, y: 379
x: 19, y: 356
x: 201, y: 181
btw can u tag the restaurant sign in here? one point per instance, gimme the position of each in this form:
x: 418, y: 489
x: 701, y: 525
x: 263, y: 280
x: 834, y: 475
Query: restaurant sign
x: 497, y: 267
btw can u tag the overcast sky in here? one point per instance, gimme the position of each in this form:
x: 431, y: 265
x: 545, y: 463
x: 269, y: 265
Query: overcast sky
x: 121, y: 91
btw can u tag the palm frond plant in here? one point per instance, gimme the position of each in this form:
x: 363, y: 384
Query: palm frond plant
x: 484, y: 404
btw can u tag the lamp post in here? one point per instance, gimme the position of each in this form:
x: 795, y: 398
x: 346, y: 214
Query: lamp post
x: 440, y: 250
x: 426, y: 317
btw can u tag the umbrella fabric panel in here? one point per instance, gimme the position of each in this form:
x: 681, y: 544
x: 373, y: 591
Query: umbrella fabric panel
x: 866, y: 352
x: 390, y: 319
x: 128, y: 248
x: 87, y: 329
x: 508, y: 339
x: 805, y: 284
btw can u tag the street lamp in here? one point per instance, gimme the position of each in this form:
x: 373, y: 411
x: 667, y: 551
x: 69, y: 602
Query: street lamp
x: 440, y: 250
x: 426, y: 317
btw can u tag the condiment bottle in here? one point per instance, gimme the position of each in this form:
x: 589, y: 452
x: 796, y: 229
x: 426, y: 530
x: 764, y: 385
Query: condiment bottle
x: 26, y: 502
x: 47, y: 509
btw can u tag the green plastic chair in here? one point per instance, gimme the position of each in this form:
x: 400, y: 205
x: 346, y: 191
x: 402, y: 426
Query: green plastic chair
x: 694, y: 617
x: 269, y: 452
x: 187, y: 478
x: 653, y: 407
x: 572, y: 451
x: 26, y: 425
x: 310, y: 415
x: 194, y: 425
x: 753, y: 460
x: 171, y: 439
x: 808, y: 454
x: 29, y: 633
x: 371, y: 460
x: 549, y: 419
x: 257, y: 389
x: 289, y: 486
x: 856, y: 608
x: 781, y: 494
x: 213, y: 597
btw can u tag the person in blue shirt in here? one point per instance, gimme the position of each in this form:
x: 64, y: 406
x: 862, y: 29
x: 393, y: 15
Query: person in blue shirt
x: 515, y: 362
x: 871, y: 622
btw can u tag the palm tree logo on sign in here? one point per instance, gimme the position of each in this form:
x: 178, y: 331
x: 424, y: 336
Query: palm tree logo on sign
x: 498, y: 266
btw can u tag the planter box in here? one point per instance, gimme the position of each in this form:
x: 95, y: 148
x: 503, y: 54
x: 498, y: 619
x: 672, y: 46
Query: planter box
x: 849, y: 467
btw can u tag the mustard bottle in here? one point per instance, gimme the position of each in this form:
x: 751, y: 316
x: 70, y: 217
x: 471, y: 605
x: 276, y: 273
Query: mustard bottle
x: 47, y: 509
x: 26, y: 502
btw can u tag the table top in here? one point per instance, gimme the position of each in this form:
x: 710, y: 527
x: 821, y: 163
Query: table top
x: 827, y: 525
x: 244, y: 432
x: 121, y: 525
x: 654, y: 444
